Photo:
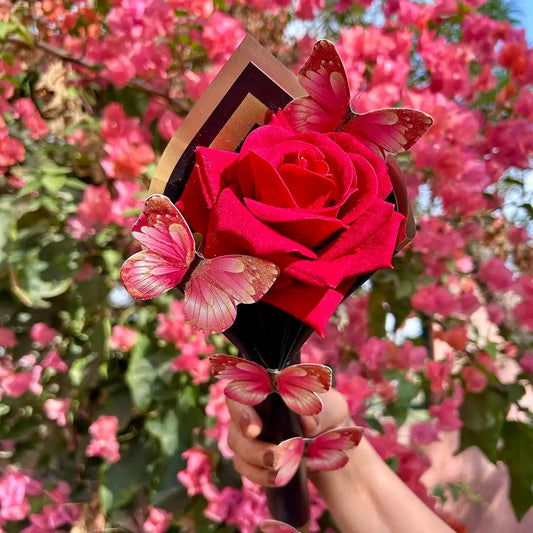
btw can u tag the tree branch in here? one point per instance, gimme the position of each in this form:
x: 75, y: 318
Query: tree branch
x: 134, y: 83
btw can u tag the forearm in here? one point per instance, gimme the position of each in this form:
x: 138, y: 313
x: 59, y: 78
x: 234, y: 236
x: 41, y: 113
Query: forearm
x: 366, y: 496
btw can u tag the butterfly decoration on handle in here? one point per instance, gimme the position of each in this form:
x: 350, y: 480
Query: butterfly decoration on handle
x: 327, y: 107
x: 325, y: 452
x: 212, y: 287
x: 275, y: 526
x: 250, y: 383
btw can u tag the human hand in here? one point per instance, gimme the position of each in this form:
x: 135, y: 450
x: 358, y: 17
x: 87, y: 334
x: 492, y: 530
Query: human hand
x: 255, y: 459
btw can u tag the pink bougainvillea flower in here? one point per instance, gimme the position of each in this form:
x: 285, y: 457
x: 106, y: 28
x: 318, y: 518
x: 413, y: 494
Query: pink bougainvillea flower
x: 57, y: 409
x: 423, y: 433
x: 43, y: 334
x: 14, y: 487
x: 53, y: 360
x: 123, y: 338
x: 526, y: 362
x: 220, y: 36
x: 172, y: 327
x: 30, y: 116
x: 496, y: 275
x: 168, y: 124
x: 189, y: 359
x: 217, y: 409
x: 104, y: 439
x: 475, y: 379
x: 158, y: 520
x: 15, y: 384
x: 197, y: 475
x: 447, y: 412
x: 7, y: 338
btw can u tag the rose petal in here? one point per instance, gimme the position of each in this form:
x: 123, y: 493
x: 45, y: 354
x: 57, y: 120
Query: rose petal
x: 309, y: 189
x: 307, y: 228
x: 366, y: 226
x: 260, y: 180
x: 351, y: 145
x: 312, y: 305
x: 372, y: 255
x: 364, y: 195
x: 261, y: 140
x: 236, y: 230
x: 203, y: 186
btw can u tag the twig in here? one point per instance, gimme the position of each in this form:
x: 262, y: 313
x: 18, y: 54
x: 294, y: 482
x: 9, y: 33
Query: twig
x: 134, y: 83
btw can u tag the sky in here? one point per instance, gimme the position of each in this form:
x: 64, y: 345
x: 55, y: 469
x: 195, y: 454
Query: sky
x: 526, y: 8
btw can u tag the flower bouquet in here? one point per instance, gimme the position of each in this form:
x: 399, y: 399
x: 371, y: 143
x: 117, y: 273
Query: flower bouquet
x: 294, y: 202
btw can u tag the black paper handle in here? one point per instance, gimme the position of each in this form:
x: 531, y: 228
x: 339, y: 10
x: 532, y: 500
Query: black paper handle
x: 289, y: 503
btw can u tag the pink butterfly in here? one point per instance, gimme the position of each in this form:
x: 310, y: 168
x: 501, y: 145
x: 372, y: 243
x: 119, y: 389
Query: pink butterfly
x: 212, y: 287
x: 325, y: 452
x: 250, y: 383
x: 275, y: 526
x: 327, y: 108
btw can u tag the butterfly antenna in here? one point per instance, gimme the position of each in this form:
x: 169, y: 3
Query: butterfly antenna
x: 357, y: 95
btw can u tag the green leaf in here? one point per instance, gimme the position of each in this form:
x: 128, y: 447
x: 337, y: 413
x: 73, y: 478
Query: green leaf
x: 374, y: 423
x: 124, y: 479
x: 483, y: 416
x: 6, y: 28
x: 140, y: 375
x: 42, y: 264
x: 376, y: 312
x: 516, y: 453
x: 406, y: 392
x: 398, y: 412
x: 54, y: 183
x: 119, y: 405
x: 79, y: 369
x: 165, y: 429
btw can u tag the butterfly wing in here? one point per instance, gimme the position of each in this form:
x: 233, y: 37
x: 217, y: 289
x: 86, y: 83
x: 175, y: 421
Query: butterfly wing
x: 299, y: 384
x: 249, y: 382
x: 324, y: 78
x: 217, y: 285
x: 287, y: 458
x: 275, y: 526
x: 328, y: 451
x: 389, y: 130
x: 170, y: 250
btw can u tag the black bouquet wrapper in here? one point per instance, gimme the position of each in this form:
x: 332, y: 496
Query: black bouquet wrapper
x: 272, y: 338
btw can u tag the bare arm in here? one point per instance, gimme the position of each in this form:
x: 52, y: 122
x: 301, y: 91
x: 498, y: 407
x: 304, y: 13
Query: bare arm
x: 365, y: 496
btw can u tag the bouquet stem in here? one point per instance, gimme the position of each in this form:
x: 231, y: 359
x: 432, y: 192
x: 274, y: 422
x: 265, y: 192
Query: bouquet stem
x: 273, y: 338
x: 289, y: 503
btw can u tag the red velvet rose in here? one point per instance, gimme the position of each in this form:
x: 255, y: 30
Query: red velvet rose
x: 314, y: 204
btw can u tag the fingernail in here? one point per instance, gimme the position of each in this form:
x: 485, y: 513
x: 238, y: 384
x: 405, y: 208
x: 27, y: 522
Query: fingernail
x: 268, y: 458
x: 252, y: 430
x: 244, y: 421
x: 272, y: 478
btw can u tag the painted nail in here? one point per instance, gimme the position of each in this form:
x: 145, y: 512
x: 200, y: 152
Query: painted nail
x: 268, y: 458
